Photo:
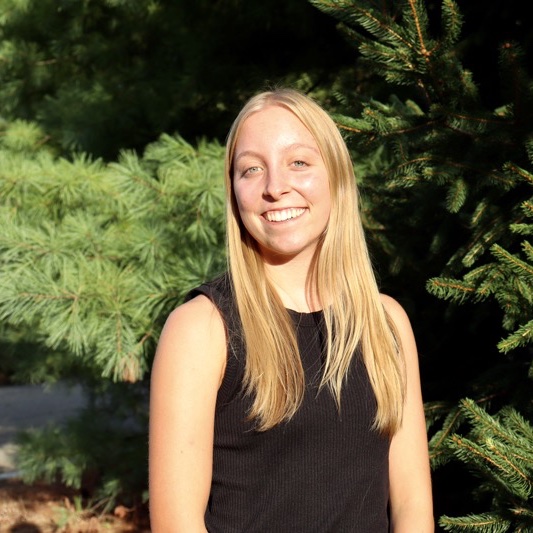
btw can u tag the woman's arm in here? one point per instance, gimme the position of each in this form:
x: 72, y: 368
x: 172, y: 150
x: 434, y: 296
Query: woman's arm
x: 186, y: 374
x: 409, y: 470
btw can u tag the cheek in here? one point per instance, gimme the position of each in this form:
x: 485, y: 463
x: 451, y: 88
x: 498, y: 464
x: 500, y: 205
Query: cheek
x: 237, y: 195
x: 241, y: 203
x: 244, y: 210
x: 316, y: 188
x: 245, y: 196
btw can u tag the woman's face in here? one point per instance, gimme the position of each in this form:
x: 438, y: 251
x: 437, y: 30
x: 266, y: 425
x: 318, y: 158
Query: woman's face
x: 281, y: 185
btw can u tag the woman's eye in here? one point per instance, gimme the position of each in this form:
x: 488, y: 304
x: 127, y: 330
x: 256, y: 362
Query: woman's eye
x: 251, y: 170
x: 299, y: 163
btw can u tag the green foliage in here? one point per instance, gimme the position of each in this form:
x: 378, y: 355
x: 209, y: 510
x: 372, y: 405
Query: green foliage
x: 440, y: 148
x: 446, y: 183
x: 476, y: 522
x: 508, y: 278
x: 94, y: 257
x: 95, y: 254
x: 499, y: 450
x: 104, y: 75
x: 102, y: 452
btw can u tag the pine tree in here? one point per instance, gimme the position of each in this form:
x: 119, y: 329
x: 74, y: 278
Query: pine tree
x: 94, y: 256
x: 104, y: 75
x: 448, y: 202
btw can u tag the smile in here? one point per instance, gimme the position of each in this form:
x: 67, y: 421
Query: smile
x: 283, y: 215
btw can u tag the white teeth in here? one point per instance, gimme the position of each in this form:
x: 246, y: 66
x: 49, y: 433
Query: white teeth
x: 286, y: 214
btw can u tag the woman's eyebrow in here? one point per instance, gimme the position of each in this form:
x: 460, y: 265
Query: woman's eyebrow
x: 301, y: 145
x: 246, y: 153
x: 287, y: 148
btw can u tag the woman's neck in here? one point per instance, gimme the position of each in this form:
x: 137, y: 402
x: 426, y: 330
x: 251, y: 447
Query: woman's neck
x: 291, y: 283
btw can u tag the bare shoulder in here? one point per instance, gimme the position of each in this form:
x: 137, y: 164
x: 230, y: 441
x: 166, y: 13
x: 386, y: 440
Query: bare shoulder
x: 197, y: 316
x: 403, y: 327
x: 193, y: 334
x: 395, y: 310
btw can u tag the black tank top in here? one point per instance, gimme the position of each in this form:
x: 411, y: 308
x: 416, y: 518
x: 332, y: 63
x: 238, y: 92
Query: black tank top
x: 324, y: 471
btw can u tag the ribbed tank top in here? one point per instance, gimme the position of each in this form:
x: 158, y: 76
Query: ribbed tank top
x: 324, y: 471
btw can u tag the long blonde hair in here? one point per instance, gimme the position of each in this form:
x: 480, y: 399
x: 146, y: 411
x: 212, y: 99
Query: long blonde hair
x: 342, y: 275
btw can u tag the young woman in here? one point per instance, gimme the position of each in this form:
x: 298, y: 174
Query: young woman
x: 285, y: 394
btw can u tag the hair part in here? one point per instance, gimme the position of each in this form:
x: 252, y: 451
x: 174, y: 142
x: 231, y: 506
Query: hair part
x: 342, y: 275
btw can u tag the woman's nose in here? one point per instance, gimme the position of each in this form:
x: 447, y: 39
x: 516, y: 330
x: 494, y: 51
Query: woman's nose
x: 276, y: 184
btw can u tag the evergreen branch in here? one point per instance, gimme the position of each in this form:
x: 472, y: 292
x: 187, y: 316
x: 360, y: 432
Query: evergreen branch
x: 521, y: 172
x: 416, y: 7
x: 523, y: 229
x: 523, y: 512
x: 481, y: 420
x: 438, y: 443
x: 486, y: 522
x: 473, y: 119
x: 515, y: 421
x: 507, y: 473
x: 450, y: 289
x: 436, y: 410
x: 452, y: 22
x: 480, y: 211
x: 521, y: 337
x: 482, y: 240
x: 365, y: 17
x: 487, y: 279
x: 399, y: 48
x: 507, y: 448
x: 517, y: 439
x: 516, y: 265
x: 528, y: 250
x: 527, y: 206
x: 428, y: 159
x: 129, y: 167
x: 510, y: 464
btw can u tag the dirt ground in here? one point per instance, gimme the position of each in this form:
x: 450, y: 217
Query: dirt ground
x: 54, y: 509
